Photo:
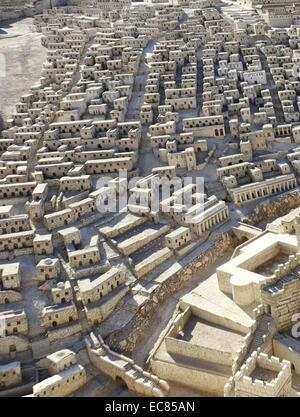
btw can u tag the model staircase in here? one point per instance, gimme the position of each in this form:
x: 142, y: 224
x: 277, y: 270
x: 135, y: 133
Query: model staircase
x: 278, y: 286
x: 258, y: 339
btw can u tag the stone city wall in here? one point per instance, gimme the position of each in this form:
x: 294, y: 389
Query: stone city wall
x: 119, y: 366
x: 197, y: 378
x: 275, y: 208
x: 126, y: 339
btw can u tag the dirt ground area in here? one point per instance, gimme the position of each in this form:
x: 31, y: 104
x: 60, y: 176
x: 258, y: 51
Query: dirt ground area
x: 21, y: 58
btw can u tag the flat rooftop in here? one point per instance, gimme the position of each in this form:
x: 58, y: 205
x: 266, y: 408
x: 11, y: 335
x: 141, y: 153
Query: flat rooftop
x: 264, y: 374
x: 202, y: 333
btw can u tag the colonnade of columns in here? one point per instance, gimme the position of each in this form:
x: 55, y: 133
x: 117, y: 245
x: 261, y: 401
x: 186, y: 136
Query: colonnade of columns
x: 263, y: 191
x: 213, y: 220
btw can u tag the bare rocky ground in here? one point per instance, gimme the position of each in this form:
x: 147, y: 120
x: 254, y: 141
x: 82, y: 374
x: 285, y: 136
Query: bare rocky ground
x: 23, y: 56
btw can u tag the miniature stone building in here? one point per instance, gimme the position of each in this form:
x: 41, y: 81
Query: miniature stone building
x: 59, y: 314
x: 48, y: 268
x: 42, y: 244
x: 10, y: 374
x: 61, y: 384
x: 62, y: 292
